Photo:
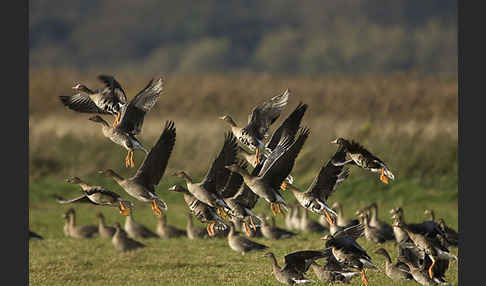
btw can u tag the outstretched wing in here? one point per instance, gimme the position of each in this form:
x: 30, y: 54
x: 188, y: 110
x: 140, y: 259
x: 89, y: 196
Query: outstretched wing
x: 234, y: 182
x: 80, y: 199
x: 278, y: 166
x: 81, y: 102
x: 265, y: 114
x: 114, y: 87
x: 301, y: 260
x: 330, y: 176
x: 217, y: 175
x: 155, y: 163
x: 133, y: 113
x: 289, y: 127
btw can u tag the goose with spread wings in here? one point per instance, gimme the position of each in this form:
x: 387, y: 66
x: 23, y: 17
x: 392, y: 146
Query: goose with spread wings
x: 131, y: 120
x: 296, y: 265
x: 363, y: 159
x: 107, y: 100
x: 274, y: 170
x: 142, y: 185
x: 324, y: 184
x: 97, y: 195
x: 209, y: 190
x: 259, y: 121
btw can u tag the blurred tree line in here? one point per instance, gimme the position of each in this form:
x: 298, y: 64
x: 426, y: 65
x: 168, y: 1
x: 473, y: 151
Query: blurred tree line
x: 277, y: 36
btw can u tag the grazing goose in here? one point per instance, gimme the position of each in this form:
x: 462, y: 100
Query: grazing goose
x: 332, y: 271
x: 274, y: 171
x: 244, y: 200
x: 296, y: 265
x: 364, y: 159
x: 431, y: 246
x: 259, y: 120
x: 79, y: 231
x: 395, y: 271
x: 203, y: 212
x: 374, y: 221
x: 194, y: 232
x: 104, y: 231
x: 122, y: 242
x: 137, y: 230
x: 108, y: 100
x: 131, y: 120
x: 98, y: 195
x: 289, y: 127
x: 209, y: 189
x: 308, y: 225
x: 242, y: 244
x: 271, y: 231
x: 346, y: 250
x: 142, y: 185
x: 35, y: 236
x: 324, y: 184
x: 165, y: 230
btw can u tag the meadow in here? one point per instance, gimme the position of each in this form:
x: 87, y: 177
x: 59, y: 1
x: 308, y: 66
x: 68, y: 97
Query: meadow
x: 408, y: 120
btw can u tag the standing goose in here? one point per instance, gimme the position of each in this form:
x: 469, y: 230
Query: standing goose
x: 203, y: 212
x: 164, y: 230
x: 242, y: 244
x: 371, y: 233
x: 341, y: 220
x: 346, y: 250
x: 271, y: 231
x: 289, y: 127
x: 383, y: 227
x: 274, y: 170
x: 192, y: 231
x: 122, y: 242
x: 395, y: 271
x: 137, y: 230
x: 142, y: 185
x: 79, y: 231
x: 98, y: 196
x: 259, y: 120
x: 324, y: 184
x: 364, y: 159
x: 103, y: 230
x: 108, y: 100
x: 296, y: 265
x: 209, y: 190
x: 131, y: 120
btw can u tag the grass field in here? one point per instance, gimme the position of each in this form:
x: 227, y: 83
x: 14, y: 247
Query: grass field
x: 408, y: 121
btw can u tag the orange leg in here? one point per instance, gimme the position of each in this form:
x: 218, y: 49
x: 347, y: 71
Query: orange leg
x: 284, y: 186
x: 117, y: 118
x: 272, y: 206
x: 363, y: 277
x: 247, y: 229
x: 124, y: 210
x: 208, y: 229
x: 132, y: 164
x: 280, y: 210
x: 431, y: 273
x: 127, y: 160
x: 155, y: 208
x: 383, y: 178
x: 328, y: 218
x: 257, y: 157
x: 252, y: 223
x: 212, y: 228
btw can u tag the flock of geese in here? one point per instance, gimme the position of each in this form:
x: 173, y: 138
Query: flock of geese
x: 252, y: 165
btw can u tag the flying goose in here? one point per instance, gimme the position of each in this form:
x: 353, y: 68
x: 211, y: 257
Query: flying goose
x: 296, y: 265
x: 142, y: 185
x: 259, y: 120
x: 131, y: 120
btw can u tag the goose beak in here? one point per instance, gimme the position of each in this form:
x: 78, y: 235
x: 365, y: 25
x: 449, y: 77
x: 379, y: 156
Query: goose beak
x: 334, y: 141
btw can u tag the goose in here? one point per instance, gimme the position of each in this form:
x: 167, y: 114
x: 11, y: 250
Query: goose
x: 209, y: 189
x: 165, y: 230
x: 131, y: 120
x: 324, y: 184
x: 259, y: 120
x: 364, y: 159
x: 203, y: 212
x: 97, y: 195
x: 122, y: 242
x: 296, y: 265
x: 271, y: 231
x: 136, y: 230
x: 371, y: 233
x: 142, y: 185
x: 395, y: 271
x: 274, y: 171
x: 194, y: 232
x: 108, y: 100
x: 374, y: 221
x: 78, y: 231
x: 242, y: 244
x: 342, y: 220
x: 332, y: 271
x: 103, y: 230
